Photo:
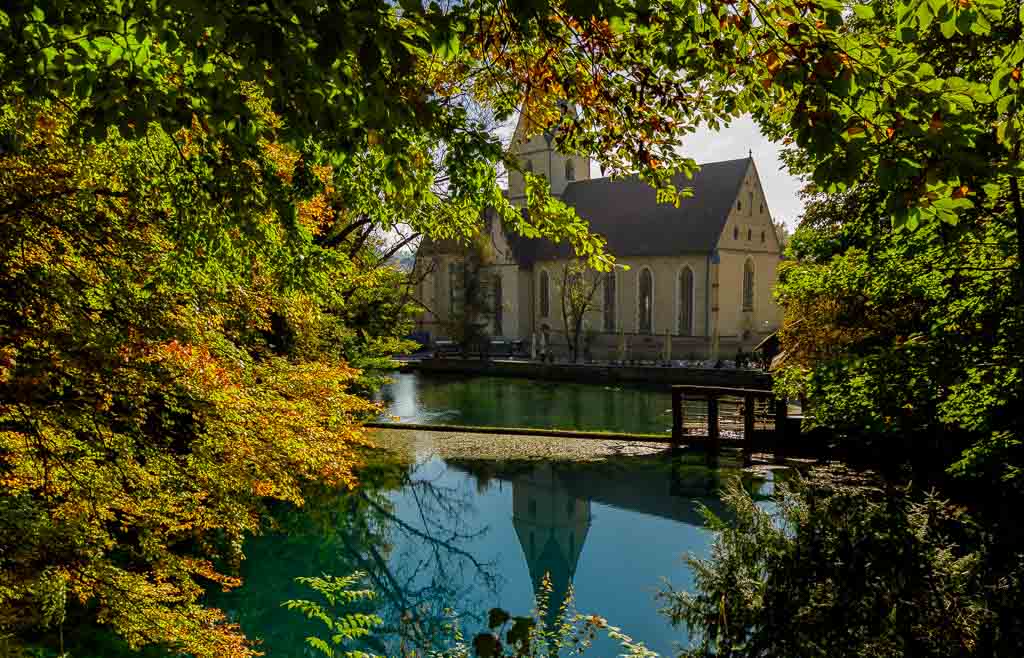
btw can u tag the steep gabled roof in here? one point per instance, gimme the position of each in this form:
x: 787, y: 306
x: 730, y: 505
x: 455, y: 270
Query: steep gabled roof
x: 627, y: 214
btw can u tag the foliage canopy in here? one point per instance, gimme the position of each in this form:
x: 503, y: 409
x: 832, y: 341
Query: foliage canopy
x: 193, y: 196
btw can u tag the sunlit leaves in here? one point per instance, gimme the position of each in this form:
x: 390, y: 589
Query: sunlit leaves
x: 172, y: 356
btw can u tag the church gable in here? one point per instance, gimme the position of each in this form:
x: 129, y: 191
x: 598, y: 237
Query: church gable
x: 749, y: 225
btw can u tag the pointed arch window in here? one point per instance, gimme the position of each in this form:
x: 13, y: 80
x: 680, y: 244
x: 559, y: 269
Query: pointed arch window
x: 686, y: 302
x: 545, y: 302
x: 748, y: 285
x: 570, y: 170
x: 529, y: 166
x: 645, y: 302
x: 609, y: 302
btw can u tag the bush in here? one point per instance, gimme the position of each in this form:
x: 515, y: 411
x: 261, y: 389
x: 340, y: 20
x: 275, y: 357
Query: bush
x: 840, y: 570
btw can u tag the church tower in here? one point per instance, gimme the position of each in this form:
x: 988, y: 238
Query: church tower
x: 534, y: 148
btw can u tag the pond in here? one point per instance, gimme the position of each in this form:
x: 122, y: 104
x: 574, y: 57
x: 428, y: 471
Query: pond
x: 457, y: 536
x: 526, y: 403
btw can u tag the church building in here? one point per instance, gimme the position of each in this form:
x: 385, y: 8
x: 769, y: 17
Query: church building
x: 702, y: 273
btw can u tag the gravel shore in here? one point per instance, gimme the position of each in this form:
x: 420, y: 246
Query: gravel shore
x: 424, y: 443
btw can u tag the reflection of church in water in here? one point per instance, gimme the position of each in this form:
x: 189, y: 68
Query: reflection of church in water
x: 552, y: 526
x: 551, y: 506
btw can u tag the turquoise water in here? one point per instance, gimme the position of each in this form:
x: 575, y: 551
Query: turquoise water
x: 514, y: 402
x: 441, y: 538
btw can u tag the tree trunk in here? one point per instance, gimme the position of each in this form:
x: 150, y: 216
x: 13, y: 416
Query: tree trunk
x: 1018, y: 224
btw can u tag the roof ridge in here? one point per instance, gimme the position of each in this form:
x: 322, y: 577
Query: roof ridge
x: 627, y: 213
x: 635, y: 176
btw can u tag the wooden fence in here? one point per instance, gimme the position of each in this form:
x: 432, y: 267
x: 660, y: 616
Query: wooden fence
x: 753, y: 418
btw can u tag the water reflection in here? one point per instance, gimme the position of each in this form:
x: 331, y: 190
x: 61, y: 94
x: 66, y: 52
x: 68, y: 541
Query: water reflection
x: 512, y: 402
x: 552, y: 526
x: 462, y: 536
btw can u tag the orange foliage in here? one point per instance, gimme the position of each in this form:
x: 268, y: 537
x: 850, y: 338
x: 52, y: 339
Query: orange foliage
x: 145, y: 416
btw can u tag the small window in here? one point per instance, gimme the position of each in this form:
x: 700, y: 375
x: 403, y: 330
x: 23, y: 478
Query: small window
x: 762, y: 236
x: 529, y: 166
x: 735, y: 232
x: 750, y: 207
x: 750, y: 233
x: 570, y: 170
x: 762, y: 208
x: 739, y: 205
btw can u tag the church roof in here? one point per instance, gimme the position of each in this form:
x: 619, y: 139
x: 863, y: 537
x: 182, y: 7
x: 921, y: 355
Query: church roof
x: 626, y: 213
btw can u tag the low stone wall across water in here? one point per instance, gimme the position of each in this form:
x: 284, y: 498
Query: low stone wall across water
x: 595, y: 373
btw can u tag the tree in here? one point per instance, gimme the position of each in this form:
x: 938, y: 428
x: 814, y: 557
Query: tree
x: 783, y: 235
x: 194, y: 195
x: 467, y: 321
x: 865, y: 572
x: 578, y: 286
x: 174, y: 358
x: 900, y: 330
x: 187, y: 294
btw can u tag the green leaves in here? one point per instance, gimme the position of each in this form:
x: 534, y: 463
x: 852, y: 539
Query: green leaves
x: 895, y: 547
x: 343, y: 623
x: 446, y: 43
x: 952, y: 17
x: 864, y: 12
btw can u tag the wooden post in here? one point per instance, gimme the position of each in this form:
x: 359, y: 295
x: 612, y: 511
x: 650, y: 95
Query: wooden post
x: 748, y: 427
x: 781, y: 411
x: 713, y: 420
x: 677, y: 417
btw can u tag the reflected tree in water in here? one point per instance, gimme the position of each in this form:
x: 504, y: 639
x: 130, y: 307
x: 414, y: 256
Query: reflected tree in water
x: 343, y: 532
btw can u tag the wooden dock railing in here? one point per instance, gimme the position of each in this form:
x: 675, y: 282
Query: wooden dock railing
x: 761, y: 413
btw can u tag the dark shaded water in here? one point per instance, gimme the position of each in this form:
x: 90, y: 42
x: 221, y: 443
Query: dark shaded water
x: 514, y: 402
x: 441, y: 538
